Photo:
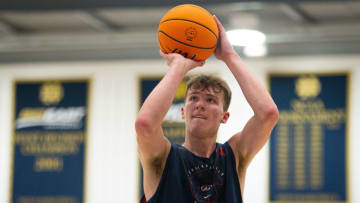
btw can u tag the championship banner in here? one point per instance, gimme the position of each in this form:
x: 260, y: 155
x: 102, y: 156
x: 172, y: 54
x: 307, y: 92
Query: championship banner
x: 308, y: 161
x: 173, y: 125
x: 49, y: 141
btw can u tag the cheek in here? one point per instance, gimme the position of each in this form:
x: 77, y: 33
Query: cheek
x: 219, y: 114
x: 188, y: 106
x: 185, y: 110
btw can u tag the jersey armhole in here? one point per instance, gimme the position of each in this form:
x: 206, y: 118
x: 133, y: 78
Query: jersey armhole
x: 227, y: 145
x: 165, y: 171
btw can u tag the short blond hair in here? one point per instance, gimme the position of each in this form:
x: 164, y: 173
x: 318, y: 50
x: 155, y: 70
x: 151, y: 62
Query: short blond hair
x: 208, y: 81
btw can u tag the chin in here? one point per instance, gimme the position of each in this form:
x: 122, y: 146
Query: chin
x: 199, y: 131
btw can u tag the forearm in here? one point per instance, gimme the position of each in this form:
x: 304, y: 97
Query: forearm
x: 255, y: 93
x: 160, y: 99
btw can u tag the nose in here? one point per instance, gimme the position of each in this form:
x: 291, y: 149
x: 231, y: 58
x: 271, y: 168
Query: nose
x: 199, y: 105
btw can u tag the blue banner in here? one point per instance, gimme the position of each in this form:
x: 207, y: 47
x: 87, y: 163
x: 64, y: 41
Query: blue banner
x: 308, y: 145
x: 49, y: 141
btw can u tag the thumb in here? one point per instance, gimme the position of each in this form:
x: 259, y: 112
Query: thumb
x: 220, y: 26
x: 162, y: 54
x: 200, y: 63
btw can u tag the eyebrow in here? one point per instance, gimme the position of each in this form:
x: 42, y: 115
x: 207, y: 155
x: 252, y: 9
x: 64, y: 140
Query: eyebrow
x: 199, y: 92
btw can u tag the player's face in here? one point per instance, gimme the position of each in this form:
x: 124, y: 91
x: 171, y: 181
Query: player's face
x: 204, y: 111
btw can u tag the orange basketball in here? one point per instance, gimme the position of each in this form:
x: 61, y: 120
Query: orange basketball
x: 189, y: 30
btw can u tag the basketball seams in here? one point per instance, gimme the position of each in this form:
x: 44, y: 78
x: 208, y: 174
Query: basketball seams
x: 162, y: 47
x: 180, y: 19
x: 160, y: 31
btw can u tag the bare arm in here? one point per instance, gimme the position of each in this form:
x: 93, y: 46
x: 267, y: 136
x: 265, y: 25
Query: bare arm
x: 153, y: 147
x: 257, y: 130
x: 151, y: 141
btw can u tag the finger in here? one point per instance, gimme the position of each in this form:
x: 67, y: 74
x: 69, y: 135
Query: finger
x: 201, y: 63
x: 220, y: 26
x: 164, y: 56
x: 216, y: 19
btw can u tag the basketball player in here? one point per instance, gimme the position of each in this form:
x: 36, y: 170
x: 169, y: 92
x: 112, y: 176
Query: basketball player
x: 201, y: 170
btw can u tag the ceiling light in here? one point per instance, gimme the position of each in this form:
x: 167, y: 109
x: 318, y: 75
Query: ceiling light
x: 245, y: 37
x: 257, y: 50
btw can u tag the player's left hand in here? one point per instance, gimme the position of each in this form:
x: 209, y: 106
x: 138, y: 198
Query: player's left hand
x: 224, y: 48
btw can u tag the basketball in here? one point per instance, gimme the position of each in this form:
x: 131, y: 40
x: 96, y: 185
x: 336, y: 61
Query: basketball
x: 189, y: 30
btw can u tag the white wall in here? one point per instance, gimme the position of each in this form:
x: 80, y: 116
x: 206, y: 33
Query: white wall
x: 112, y: 166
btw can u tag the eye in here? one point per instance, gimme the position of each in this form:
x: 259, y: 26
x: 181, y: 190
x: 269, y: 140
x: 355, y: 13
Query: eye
x: 193, y: 98
x: 210, y: 100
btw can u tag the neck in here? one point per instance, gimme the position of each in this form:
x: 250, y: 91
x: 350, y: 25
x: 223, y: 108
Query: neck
x: 200, y: 146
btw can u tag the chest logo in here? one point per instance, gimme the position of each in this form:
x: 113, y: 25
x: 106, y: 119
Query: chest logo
x: 207, y: 183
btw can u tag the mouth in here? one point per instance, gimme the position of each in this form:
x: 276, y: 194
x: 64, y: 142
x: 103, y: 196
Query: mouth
x: 199, y: 117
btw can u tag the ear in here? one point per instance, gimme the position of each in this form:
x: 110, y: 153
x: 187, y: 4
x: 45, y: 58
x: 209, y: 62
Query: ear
x: 225, y: 117
x: 182, y: 113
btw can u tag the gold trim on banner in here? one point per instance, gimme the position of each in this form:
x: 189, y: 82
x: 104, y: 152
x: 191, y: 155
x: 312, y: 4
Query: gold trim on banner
x: 89, y: 82
x: 12, y: 138
x: 347, y: 134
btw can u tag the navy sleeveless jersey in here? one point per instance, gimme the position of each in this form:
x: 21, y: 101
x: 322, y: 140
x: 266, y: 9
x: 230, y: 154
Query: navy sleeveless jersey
x: 188, y: 178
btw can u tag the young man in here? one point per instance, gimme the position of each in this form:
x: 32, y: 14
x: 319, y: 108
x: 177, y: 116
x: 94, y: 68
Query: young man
x: 201, y: 170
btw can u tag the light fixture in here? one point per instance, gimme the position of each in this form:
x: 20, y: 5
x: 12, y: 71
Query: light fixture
x: 245, y: 37
x: 257, y: 50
